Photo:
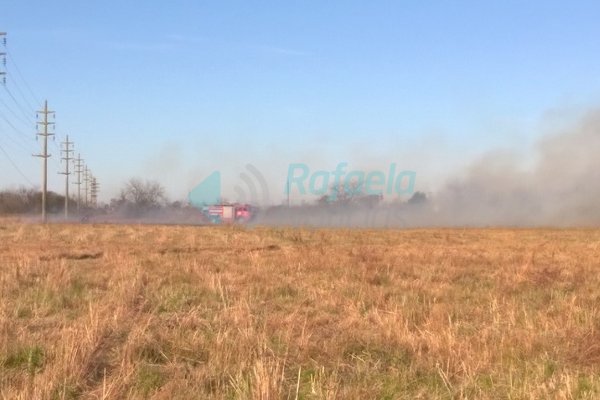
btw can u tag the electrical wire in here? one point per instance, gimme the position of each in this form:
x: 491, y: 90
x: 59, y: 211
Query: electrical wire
x: 27, y: 116
x: 15, y: 166
x: 12, y: 125
x: 16, y: 85
x: 21, y: 145
x: 21, y: 119
x: 31, y: 92
x: 17, y: 103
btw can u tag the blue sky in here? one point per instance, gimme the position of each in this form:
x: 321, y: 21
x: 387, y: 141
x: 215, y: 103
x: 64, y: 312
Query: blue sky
x: 174, y: 90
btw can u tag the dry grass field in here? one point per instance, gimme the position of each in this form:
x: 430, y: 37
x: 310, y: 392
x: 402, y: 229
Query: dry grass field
x: 173, y: 312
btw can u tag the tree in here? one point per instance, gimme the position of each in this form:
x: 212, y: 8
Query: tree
x: 349, y: 193
x: 142, y: 195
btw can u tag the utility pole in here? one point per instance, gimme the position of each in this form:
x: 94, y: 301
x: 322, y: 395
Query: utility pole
x: 78, y: 171
x: 3, y: 56
x: 67, y: 157
x: 94, y: 191
x: 44, y: 155
x: 86, y: 180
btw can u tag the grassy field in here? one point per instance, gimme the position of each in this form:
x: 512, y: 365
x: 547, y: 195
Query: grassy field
x: 168, y: 312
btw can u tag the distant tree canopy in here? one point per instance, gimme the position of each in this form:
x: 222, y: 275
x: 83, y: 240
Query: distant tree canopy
x: 354, y: 193
x: 142, y: 195
x: 349, y: 193
x: 27, y: 200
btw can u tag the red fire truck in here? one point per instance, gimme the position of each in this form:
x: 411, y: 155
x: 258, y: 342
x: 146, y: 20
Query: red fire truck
x: 229, y: 213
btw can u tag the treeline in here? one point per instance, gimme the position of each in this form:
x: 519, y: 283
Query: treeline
x: 29, y: 201
x: 346, y: 205
x: 136, y: 198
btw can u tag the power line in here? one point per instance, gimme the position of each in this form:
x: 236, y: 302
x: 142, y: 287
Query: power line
x: 54, y: 160
x: 16, y: 85
x: 17, y: 103
x: 20, y: 118
x: 12, y: 126
x: 3, y: 82
x: 16, y: 133
x: 31, y: 108
x: 22, y: 97
x: 12, y: 62
x: 15, y: 166
x: 18, y: 143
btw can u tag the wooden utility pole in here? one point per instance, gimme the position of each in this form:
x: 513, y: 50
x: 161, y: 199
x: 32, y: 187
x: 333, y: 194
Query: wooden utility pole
x: 45, y: 123
x: 66, y: 157
x: 78, y: 171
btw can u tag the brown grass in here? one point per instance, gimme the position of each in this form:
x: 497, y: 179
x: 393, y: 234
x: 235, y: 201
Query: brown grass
x: 117, y: 311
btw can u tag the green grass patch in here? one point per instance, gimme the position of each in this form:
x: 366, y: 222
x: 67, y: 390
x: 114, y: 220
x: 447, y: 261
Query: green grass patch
x: 29, y: 358
x: 149, y: 378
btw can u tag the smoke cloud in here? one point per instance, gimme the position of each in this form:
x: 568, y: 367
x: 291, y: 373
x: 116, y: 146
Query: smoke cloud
x: 561, y: 187
x: 555, y: 184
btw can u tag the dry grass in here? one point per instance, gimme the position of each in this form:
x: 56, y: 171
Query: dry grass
x: 111, y: 312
